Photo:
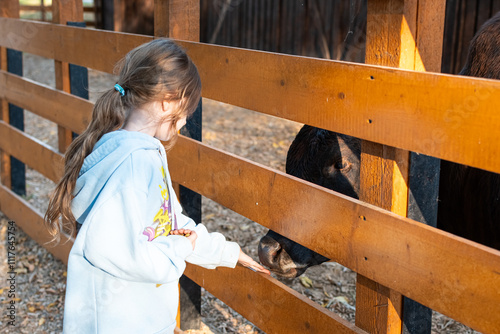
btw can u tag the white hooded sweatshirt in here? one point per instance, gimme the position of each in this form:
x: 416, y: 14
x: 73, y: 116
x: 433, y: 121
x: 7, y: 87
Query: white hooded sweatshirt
x: 124, y: 266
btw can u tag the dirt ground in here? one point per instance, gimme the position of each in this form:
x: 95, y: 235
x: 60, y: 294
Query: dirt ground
x: 263, y: 139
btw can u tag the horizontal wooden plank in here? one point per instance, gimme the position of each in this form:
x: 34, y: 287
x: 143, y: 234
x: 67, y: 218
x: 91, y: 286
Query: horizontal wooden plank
x: 57, y: 106
x: 31, y: 222
x: 69, y: 44
x: 267, y: 303
x: 446, y: 273
x: 31, y: 151
x: 449, y: 117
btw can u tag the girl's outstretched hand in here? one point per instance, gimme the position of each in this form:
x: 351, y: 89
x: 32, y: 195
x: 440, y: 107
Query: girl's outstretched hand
x: 248, y: 262
x: 189, y: 234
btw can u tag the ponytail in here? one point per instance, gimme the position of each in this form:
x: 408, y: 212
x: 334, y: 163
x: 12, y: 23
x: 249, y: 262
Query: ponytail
x: 108, y: 115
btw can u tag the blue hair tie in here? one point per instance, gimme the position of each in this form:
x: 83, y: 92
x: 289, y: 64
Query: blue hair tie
x: 120, y: 89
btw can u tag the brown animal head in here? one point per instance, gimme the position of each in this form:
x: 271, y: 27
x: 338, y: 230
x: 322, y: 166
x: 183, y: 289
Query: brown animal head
x: 323, y: 157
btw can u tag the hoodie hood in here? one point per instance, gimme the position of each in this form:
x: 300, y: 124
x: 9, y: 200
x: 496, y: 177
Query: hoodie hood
x: 108, y: 154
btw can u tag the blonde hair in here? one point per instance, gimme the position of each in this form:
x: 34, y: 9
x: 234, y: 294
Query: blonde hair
x: 155, y: 71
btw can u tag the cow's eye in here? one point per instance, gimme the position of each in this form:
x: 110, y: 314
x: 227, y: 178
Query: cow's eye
x: 342, y: 165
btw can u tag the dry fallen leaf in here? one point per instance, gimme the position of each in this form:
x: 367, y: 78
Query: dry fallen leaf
x: 21, y: 270
x: 31, y: 267
x: 210, y: 216
x: 306, y: 281
x: 342, y: 300
x: 51, y: 305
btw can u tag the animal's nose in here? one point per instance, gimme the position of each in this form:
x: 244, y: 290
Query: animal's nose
x: 269, y: 250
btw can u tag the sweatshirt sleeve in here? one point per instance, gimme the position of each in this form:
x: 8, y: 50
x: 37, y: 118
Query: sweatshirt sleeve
x: 212, y: 249
x: 115, y: 244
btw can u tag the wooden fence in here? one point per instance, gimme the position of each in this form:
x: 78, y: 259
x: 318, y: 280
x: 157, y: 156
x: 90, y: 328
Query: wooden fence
x: 393, y: 110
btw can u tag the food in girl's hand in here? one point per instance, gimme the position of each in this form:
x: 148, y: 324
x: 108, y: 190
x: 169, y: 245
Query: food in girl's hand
x: 185, y: 233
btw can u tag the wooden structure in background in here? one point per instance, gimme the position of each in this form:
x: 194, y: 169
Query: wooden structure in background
x: 463, y: 20
x: 405, y: 110
x: 44, y: 10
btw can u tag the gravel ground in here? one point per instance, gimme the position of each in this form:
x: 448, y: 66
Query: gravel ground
x: 40, y: 280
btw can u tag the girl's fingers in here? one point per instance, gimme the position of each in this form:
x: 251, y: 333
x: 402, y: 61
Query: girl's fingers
x: 248, y: 262
x: 186, y: 232
x: 257, y: 267
x: 181, y: 231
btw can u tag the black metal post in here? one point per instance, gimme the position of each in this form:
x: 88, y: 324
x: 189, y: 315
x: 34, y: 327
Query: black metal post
x: 78, y: 75
x: 190, y: 295
x: 422, y: 207
x: 16, y: 119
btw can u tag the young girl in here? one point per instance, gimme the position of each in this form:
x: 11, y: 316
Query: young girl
x: 133, y: 241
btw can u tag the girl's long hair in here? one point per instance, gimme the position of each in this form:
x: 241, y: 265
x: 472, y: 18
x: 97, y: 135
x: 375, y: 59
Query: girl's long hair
x: 155, y: 71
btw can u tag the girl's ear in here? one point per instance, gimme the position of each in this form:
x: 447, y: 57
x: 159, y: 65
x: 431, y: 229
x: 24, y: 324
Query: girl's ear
x: 166, y: 105
x: 169, y: 105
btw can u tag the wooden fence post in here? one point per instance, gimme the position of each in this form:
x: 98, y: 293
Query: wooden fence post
x: 406, y: 34
x: 42, y: 10
x: 180, y: 19
x: 62, y: 12
x: 13, y: 171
